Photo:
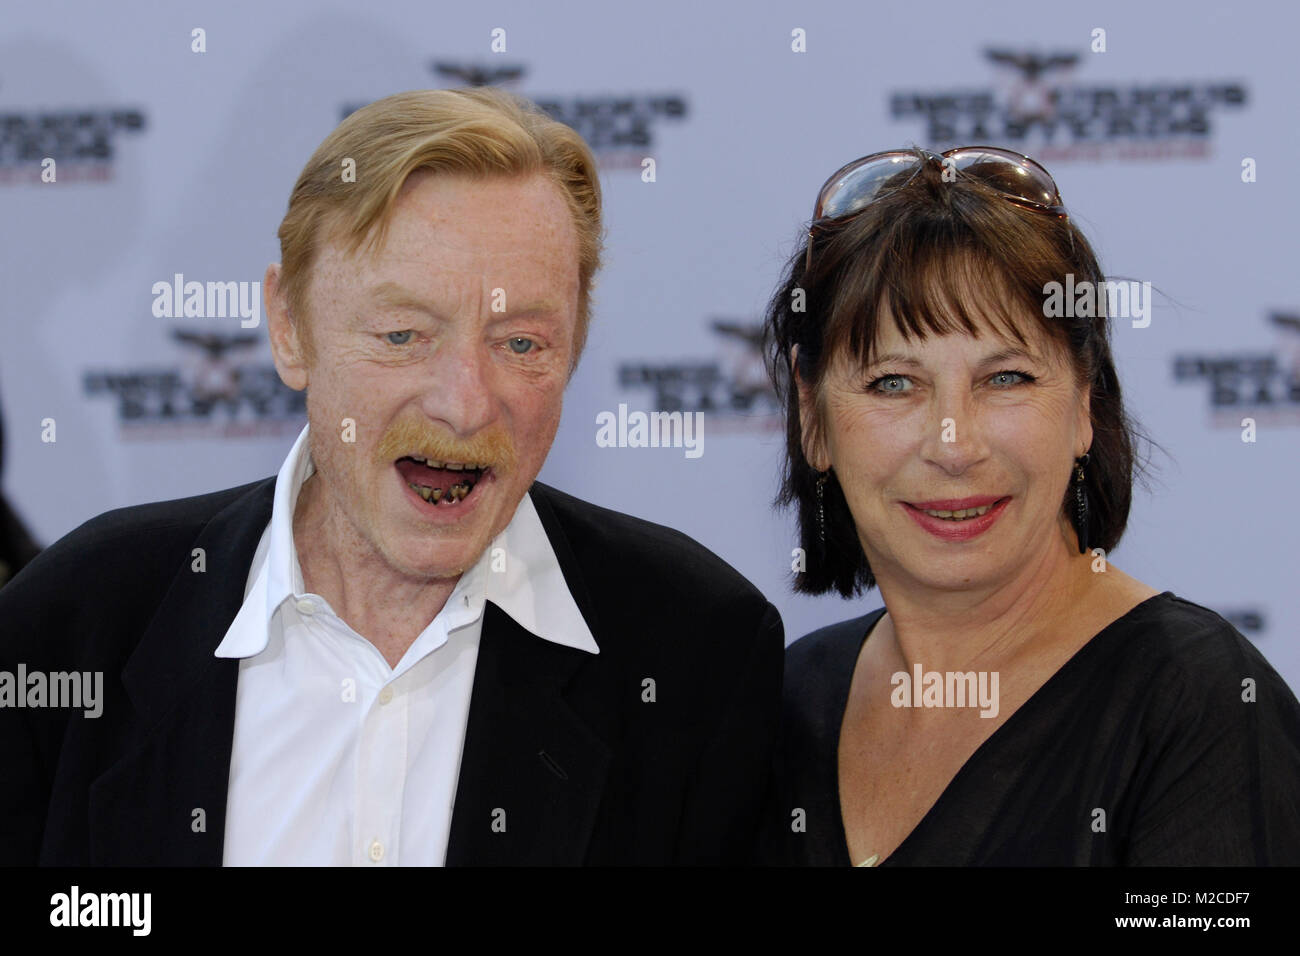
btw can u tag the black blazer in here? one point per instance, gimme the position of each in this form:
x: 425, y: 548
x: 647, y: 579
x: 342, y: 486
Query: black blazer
x: 562, y: 740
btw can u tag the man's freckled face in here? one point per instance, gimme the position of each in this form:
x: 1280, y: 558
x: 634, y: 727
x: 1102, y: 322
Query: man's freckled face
x: 455, y: 337
x: 1013, y: 435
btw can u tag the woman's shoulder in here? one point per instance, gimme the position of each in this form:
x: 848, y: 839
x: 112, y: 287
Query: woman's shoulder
x: 818, y: 671
x: 1182, y: 657
x: 829, y: 649
x: 1218, y: 731
x: 1170, y: 630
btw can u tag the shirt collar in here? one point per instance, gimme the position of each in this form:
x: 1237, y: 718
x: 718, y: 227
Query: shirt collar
x: 518, y: 572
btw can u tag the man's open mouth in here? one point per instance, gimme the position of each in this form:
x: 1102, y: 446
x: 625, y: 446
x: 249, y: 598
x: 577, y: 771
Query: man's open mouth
x: 444, y: 483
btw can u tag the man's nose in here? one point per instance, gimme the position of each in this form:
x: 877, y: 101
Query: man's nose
x: 954, y: 438
x: 459, y: 390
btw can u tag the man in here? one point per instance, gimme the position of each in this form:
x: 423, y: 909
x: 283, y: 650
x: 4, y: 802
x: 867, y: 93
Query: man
x: 402, y: 649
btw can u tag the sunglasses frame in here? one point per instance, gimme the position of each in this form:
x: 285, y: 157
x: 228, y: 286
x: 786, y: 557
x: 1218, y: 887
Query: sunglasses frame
x: 920, y: 157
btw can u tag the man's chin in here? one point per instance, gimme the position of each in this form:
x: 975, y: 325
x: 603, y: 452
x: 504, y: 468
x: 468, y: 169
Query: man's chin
x: 446, y: 556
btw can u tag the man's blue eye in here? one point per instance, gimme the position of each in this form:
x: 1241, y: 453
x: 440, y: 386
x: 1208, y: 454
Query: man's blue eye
x: 520, y: 345
x: 406, y: 337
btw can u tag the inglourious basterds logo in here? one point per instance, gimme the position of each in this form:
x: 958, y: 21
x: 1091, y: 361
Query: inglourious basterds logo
x: 81, y: 141
x: 1035, y: 105
x: 1260, y: 385
x: 221, y: 387
x: 620, y: 128
x: 731, y: 385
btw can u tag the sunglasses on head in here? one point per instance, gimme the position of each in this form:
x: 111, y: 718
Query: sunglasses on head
x: 855, y: 186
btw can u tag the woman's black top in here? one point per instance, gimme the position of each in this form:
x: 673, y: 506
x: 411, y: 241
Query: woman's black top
x: 1166, y: 740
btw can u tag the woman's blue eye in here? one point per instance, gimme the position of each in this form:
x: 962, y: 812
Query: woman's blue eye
x: 890, y: 384
x: 1015, y: 377
x: 520, y: 345
x: 406, y: 337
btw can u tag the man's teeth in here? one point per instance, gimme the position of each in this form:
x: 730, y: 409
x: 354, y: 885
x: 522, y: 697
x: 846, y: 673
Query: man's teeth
x: 474, y: 472
x: 453, y: 494
x: 449, y: 465
x: 959, y: 515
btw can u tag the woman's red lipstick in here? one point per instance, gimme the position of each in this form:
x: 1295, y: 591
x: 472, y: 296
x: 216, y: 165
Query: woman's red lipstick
x: 962, y: 529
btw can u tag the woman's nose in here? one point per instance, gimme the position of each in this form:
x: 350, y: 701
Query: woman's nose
x: 953, y: 439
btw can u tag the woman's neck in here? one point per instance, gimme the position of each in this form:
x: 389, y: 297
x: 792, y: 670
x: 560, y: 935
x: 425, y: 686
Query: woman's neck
x: 989, y: 627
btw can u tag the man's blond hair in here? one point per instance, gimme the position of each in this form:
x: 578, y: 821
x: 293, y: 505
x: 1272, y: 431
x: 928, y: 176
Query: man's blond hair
x: 480, y: 132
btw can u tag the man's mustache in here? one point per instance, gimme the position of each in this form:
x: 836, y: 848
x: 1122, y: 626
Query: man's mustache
x: 492, y: 446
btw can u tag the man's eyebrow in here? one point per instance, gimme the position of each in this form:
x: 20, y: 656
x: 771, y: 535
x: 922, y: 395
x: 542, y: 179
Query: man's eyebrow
x: 542, y: 308
x: 393, y: 295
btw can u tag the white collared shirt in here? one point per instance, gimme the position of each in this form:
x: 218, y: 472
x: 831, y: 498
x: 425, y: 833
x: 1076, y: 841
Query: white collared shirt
x: 339, y: 759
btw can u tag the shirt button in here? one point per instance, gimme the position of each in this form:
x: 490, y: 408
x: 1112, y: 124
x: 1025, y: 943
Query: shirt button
x: 376, y: 851
x: 306, y: 607
x: 385, y: 696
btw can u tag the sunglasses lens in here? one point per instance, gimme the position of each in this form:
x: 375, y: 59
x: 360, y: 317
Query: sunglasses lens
x: 859, y: 183
x: 856, y: 185
x: 1009, y: 173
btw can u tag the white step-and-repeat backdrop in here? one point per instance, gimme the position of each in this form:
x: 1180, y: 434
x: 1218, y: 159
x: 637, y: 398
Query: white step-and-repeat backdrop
x: 179, y: 129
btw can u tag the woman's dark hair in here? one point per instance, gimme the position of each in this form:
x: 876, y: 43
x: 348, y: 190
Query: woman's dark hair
x: 919, y: 252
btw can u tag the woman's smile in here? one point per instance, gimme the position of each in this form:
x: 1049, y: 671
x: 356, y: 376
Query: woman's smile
x: 957, y: 519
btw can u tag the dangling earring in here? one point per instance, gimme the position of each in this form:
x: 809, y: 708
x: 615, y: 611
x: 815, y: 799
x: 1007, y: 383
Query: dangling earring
x: 821, y: 507
x: 1081, y: 504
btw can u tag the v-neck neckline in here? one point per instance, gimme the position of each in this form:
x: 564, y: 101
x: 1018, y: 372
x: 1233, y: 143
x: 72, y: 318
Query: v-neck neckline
x: 842, y: 840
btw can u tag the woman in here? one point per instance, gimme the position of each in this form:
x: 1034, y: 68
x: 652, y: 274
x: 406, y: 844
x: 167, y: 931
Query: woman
x: 1019, y: 699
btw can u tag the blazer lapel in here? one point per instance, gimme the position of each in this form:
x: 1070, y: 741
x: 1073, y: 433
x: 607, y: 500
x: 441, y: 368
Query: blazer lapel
x: 533, y: 770
x: 164, y: 802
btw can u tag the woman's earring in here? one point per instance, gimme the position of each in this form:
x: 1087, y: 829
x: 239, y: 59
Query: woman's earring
x: 821, y: 507
x: 1081, y: 504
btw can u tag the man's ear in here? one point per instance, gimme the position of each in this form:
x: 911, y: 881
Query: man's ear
x: 286, y: 343
x: 810, y: 428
